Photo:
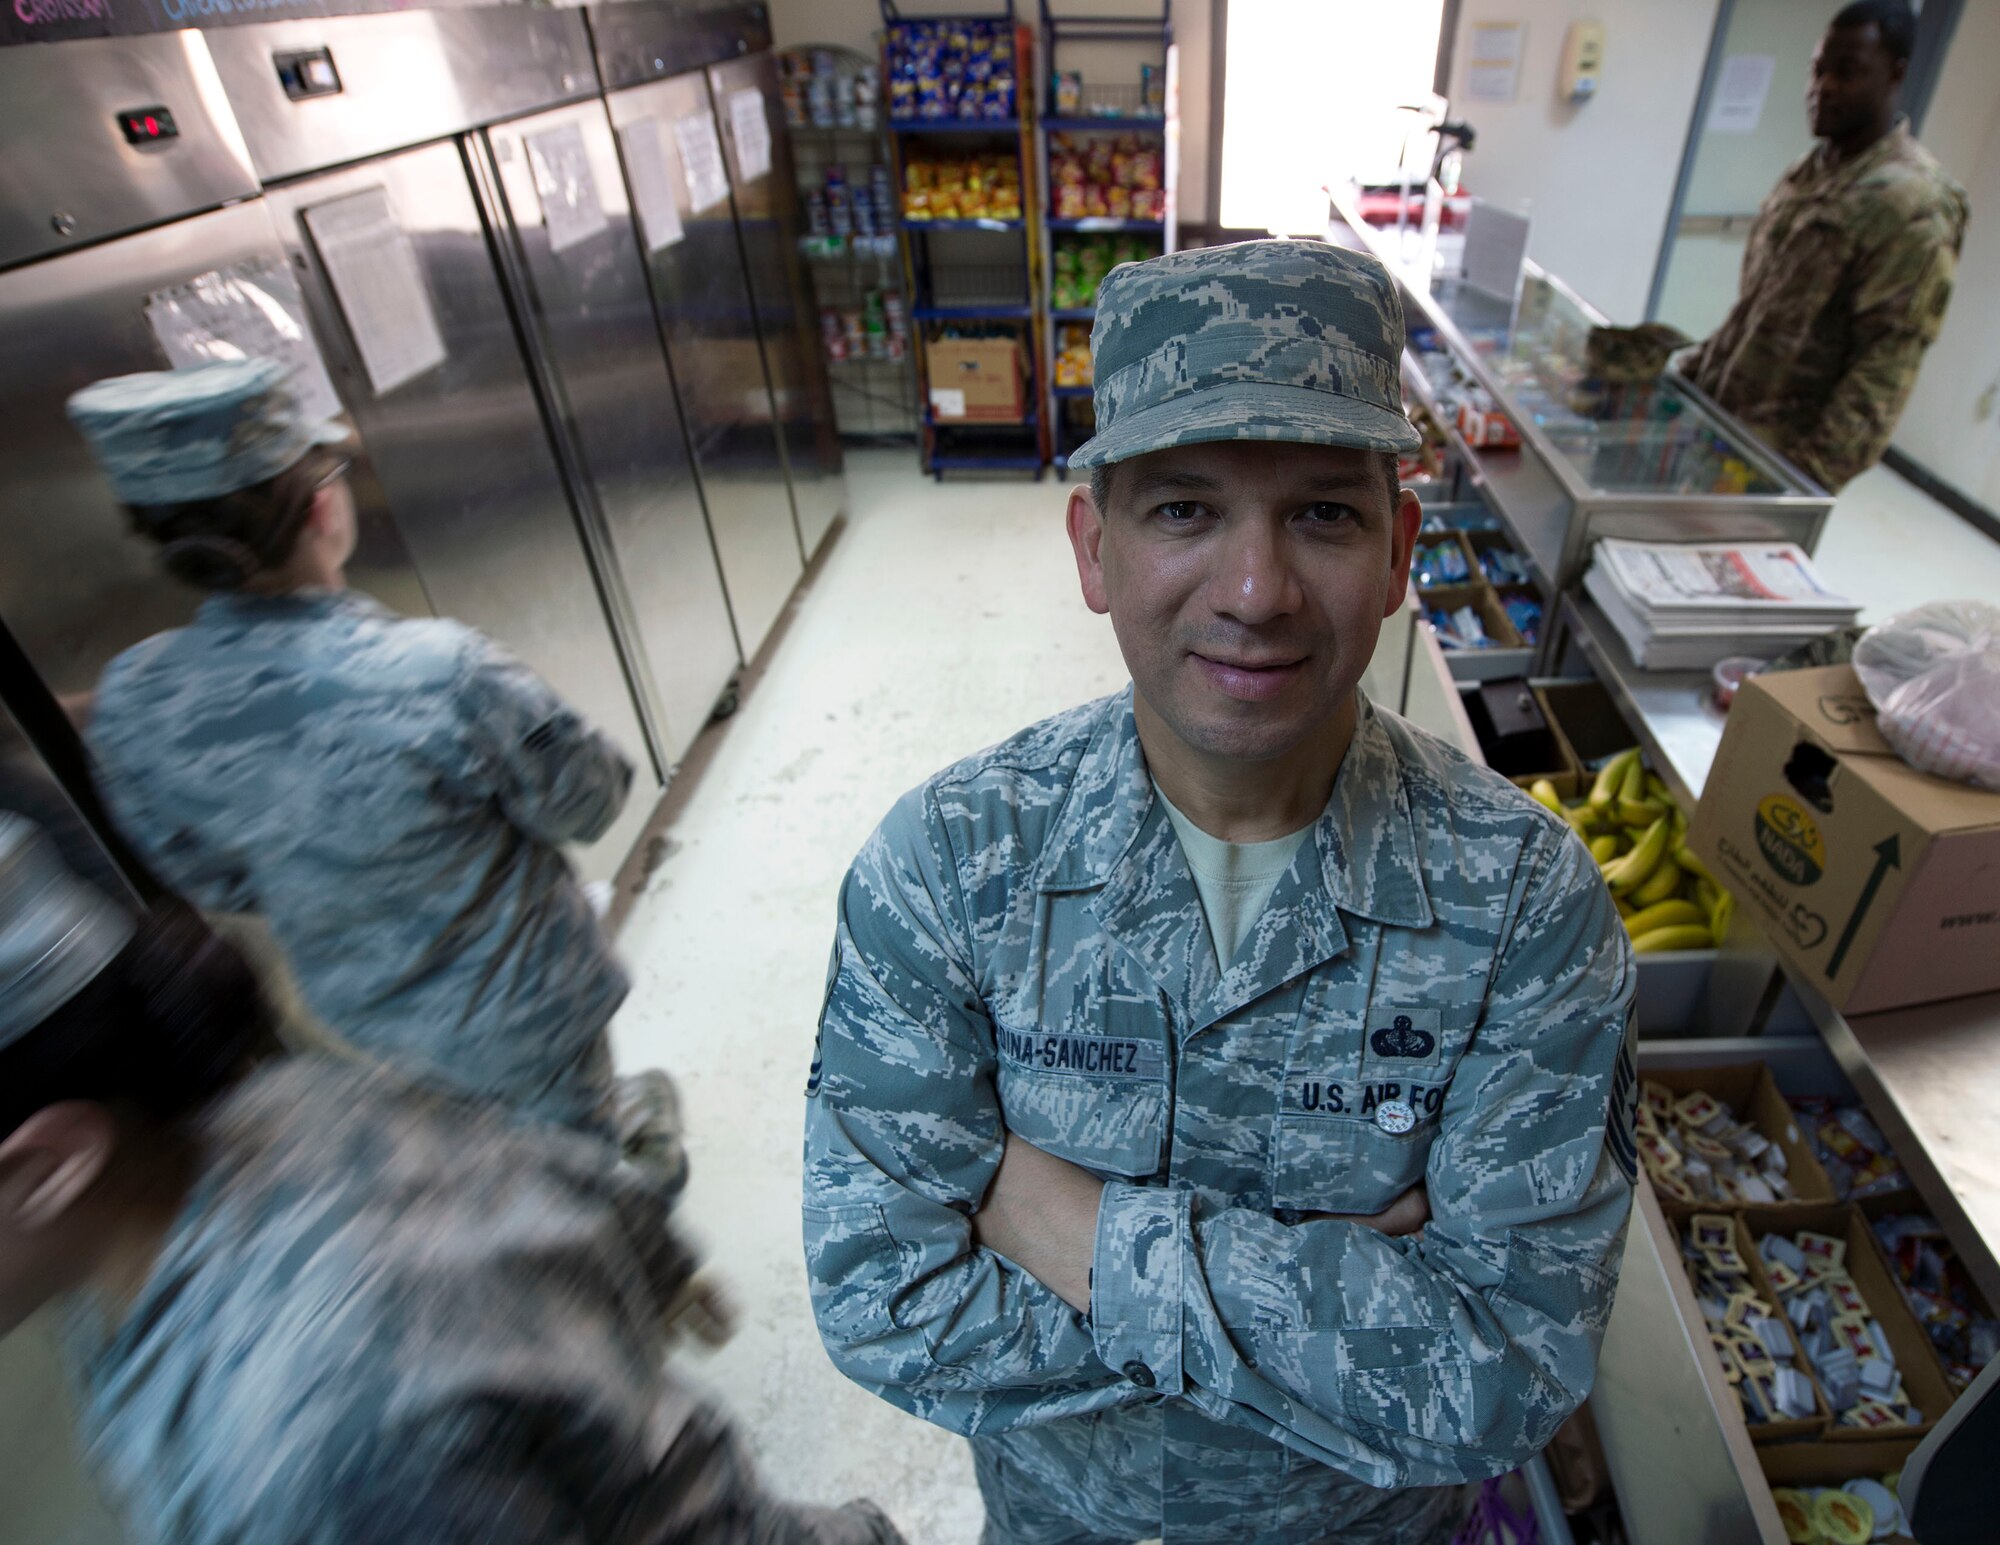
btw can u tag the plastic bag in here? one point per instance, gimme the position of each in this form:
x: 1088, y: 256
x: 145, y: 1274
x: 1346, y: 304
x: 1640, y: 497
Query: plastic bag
x: 1933, y: 674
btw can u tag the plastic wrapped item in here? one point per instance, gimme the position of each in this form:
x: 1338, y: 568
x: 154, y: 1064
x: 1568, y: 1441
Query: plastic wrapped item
x: 1939, y: 1293
x: 1697, y: 1151
x: 1933, y: 674
x: 1526, y: 615
x: 1504, y: 566
x: 1852, y: 1149
x: 1441, y: 564
x: 1459, y: 629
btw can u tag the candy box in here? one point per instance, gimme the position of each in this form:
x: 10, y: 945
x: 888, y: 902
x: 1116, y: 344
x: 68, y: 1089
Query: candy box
x: 1749, y: 1337
x: 1883, y: 1325
x: 1741, y: 1096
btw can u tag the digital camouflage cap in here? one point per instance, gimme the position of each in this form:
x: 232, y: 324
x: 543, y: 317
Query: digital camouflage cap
x: 1294, y: 342
x: 197, y: 432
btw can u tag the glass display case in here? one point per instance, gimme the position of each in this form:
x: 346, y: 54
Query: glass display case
x: 1576, y: 458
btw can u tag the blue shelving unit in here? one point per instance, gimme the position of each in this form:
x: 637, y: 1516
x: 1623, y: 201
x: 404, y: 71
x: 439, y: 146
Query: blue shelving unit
x: 967, y: 274
x: 1098, y: 107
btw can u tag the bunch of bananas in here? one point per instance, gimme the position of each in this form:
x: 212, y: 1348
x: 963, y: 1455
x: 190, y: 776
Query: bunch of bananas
x: 1638, y: 836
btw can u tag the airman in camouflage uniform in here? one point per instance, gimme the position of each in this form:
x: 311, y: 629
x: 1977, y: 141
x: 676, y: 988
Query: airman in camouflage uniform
x: 1846, y: 276
x: 1436, y: 993
x: 314, y: 1302
x: 384, y: 1315
x: 389, y: 794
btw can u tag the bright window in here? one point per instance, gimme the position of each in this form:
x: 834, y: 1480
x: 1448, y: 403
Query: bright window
x: 1312, y: 97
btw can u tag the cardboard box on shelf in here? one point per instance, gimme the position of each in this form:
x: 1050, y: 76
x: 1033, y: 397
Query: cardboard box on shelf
x: 1806, y: 1467
x: 1587, y: 722
x: 1751, y: 1095
x: 1875, y: 880
x: 1485, y: 605
x: 1917, y: 1364
x: 976, y: 380
x: 1779, y: 1428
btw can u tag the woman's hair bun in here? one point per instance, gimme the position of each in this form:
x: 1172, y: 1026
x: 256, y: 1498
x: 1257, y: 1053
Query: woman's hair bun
x: 210, y: 562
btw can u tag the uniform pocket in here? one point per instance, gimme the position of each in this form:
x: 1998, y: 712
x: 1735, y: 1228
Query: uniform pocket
x: 1111, y: 1122
x: 1345, y: 1163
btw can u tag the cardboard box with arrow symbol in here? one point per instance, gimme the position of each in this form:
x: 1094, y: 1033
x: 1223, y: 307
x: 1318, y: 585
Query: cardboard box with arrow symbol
x: 1879, y: 882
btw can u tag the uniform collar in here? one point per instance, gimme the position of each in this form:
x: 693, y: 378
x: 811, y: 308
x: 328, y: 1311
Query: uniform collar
x: 1365, y: 839
x: 1892, y: 146
x: 312, y: 601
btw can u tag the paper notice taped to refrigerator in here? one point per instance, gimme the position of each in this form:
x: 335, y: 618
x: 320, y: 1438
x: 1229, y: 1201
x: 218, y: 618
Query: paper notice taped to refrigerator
x: 373, y: 269
x: 752, y: 127
x: 249, y: 310
x: 570, y: 206
x: 647, y: 169
x: 701, y: 161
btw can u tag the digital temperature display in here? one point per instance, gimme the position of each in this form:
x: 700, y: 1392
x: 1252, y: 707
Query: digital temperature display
x: 147, y: 125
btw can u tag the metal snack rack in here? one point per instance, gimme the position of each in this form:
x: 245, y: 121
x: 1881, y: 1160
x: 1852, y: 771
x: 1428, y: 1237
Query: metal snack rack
x: 969, y: 273
x: 841, y: 151
x: 1653, y: 463
x: 1088, y: 121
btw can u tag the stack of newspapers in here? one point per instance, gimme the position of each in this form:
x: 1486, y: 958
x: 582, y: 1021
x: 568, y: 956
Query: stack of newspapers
x: 1682, y: 607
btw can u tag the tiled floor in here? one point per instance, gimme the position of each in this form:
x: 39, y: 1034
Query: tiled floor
x: 944, y: 618
x: 1890, y: 546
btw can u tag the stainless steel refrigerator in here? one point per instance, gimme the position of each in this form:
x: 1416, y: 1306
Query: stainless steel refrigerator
x: 476, y: 141
x: 752, y: 116
x: 653, y: 61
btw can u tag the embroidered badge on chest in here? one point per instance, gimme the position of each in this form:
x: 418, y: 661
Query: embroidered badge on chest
x: 1403, y: 1039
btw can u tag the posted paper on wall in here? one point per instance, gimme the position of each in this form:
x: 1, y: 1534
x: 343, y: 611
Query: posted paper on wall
x: 701, y: 161
x: 373, y: 269
x: 1493, y: 72
x: 570, y: 206
x: 647, y: 169
x: 249, y: 310
x: 1740, y: 89
x: 752, y: 127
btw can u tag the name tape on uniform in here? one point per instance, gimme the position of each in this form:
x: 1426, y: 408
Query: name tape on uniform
x: 1111, y: 1056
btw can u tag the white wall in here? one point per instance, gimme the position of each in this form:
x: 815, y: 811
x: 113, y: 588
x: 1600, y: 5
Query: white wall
x: 1597, y: 179
x: 1951, y: 424
x: 855, y: 24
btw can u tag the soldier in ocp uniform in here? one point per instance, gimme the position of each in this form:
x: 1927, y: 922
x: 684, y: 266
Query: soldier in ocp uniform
x: 308, y: 1301
x: 1222, y: 1110
x: 1848, y: 267
x: 389, y: 794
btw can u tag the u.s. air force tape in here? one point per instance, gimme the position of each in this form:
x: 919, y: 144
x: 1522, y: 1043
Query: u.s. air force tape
x: 1108, y: 1056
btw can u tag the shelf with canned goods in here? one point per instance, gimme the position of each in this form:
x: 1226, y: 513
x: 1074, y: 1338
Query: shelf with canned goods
x: 834, y: 123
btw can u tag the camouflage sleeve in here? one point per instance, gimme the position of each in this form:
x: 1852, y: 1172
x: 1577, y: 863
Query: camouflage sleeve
x: 903, y: 1137
x: 556, y: 776
x: 1455, y: 1353
x: 1902, y: 290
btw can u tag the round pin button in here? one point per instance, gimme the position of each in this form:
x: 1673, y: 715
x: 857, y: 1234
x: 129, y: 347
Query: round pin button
x: 1395, y: 1117
x: 1139, y: 1374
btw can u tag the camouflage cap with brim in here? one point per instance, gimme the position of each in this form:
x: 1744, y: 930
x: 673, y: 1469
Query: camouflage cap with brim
x: 1287, y: 342
x: 166, y: 437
